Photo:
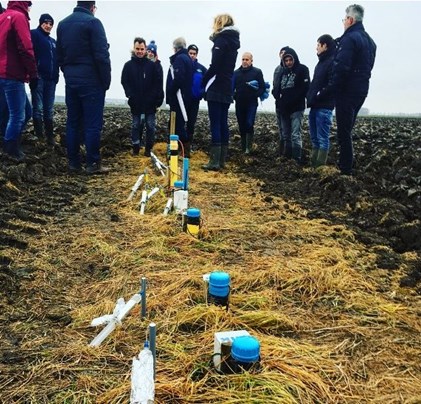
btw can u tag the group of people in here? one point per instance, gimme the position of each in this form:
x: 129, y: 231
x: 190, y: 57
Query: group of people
x: 340, y: 80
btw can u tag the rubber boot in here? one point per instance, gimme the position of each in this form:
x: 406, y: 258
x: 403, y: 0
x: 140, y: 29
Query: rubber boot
x: 249, y: 142
x: 282, y: 148
x: 214, y: 158
x: 322, y: 158
x: 136, y: 149
x: 187, y: 150
x: 49, y: 132
x: 11, y: 148
x: 224, y: 154
x: 288, y: 150
x: 313, y: 157
x: 296, y: 154
x: 38, y: 129
x: 148, y: 149
x: 243, y: 143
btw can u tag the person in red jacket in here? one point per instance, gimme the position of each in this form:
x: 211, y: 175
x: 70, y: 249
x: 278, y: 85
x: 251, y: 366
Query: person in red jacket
x: 17, y: 67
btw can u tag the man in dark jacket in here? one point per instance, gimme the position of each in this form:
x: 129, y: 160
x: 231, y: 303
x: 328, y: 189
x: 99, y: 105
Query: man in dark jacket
x: 290, y: 97
x: 82, y: 54
x: 43, y: 91
x: 197, y: 94
x: 143, y: 86
x: 320, y: 100
x: 352, y: 67
x: 17, y: 67
x: 179, y: 79
x: 248, y: 86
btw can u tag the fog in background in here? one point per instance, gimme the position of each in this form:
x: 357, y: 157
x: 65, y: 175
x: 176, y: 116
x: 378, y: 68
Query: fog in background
x: 265, y: 27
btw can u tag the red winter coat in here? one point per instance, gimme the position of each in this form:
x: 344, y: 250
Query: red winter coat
x: 17, y: 60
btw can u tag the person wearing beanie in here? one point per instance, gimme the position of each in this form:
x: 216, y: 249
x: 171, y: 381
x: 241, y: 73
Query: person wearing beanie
x: 179, y: 79
x: 17, y: 66
x: 142, y: 80
x: 84, y: 58
x: 43, y: 91
x: 152, y: 51
x: 197, y: 94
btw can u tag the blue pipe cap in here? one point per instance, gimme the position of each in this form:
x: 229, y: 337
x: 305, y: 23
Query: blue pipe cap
x: 192, y: 212
x: 174, y: 137
x: 178, y: 184
x: 219, y: 278
x: 245, y: 349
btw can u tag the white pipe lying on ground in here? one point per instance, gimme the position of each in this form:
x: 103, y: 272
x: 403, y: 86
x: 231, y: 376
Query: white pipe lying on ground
x: 152, y: 193
x: 143, y: 202
x: 136, y: 186
x: 158, y: 164
x: 120, y: 311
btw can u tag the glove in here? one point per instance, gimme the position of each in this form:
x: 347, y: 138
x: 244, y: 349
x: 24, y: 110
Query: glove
x: 33, y: 84
x: 254, y: 84
x: 265, y: 95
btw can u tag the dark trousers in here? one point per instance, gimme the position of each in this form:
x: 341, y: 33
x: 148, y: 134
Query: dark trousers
x: 192, y: 113
x: 85, y: 114
x: 346, y: 113
x: 246, y: 115
x: 218, y: 118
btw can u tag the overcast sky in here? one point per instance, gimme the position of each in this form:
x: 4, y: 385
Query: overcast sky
x: 265, y: 27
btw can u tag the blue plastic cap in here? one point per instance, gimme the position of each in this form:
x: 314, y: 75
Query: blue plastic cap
x: 174, y: 137
x: 178, y: 184
x: 245, y: 349
x: 193, y: 212
x: 219, y: 278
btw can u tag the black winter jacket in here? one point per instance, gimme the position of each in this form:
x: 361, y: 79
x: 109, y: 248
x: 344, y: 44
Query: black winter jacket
x: 142, y: 81
x: 243, y: 93
x: 353, y: 62
x: 224, y: 56
x: 293, y: 86
x: 82, y: 50
x: 320, y: 93
x: 183, y: 78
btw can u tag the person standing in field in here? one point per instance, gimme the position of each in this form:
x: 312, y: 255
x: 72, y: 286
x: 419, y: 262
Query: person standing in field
x: 218, y: 87
x: 197, y: 94
x: 17, y: 67
x: 320, y: 101
x: 83, y: 56
x: 249, y: 85
x: 143, y: 85
x: 291, y: 100
x: 43, y: 93
x: 351, y: 74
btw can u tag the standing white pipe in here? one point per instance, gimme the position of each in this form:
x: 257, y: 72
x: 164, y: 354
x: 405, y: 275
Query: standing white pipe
x: 168, y: 207
x: 143, y: 202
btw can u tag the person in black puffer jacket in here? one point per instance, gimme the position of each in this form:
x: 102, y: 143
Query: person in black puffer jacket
x: 352, y: 67
x: 321, y: 101
x: 248, y: 86
x: 83, y: 56
x: 218, y: 86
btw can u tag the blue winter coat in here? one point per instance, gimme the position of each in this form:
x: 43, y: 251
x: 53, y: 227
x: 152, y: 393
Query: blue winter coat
x: 143, y: 85
x: 353, y: 62
x: 320, y: 93
x: 183, y: 78
x: 45, y: 54
x: 224, y: 56
x: 82, y: 50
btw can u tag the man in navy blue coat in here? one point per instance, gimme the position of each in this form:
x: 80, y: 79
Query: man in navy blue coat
x: 44, y: 89
x: 352, y: 67
x: 82, y: 54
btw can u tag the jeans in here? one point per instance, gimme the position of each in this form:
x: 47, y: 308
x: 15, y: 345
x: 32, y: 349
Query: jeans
x: 218, y: 118
x: 320, y: 121
x: 192, y: 113
x: 346, y: 113
x: 43, y: 100
x: 291, y: 129
x: 138, y: 123
x: 18, y: 106
x: 85, y: 110
x: 4, y: 113
x: 246, y: 115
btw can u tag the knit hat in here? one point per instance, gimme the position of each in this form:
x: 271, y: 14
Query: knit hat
x: 193, y: 47
x: 46, y: 18
x: 152, y: 47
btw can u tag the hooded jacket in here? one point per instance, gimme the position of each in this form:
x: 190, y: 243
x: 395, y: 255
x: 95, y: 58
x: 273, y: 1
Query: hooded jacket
x: 45, y: 54
x: 143, y: 85
x: 320, y: 93
x: 293, y: 85
x: 353, y: 62
x: 243, y: 93
x: 17, y: 60
x: 82, y: 50
x: 224, y: 56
